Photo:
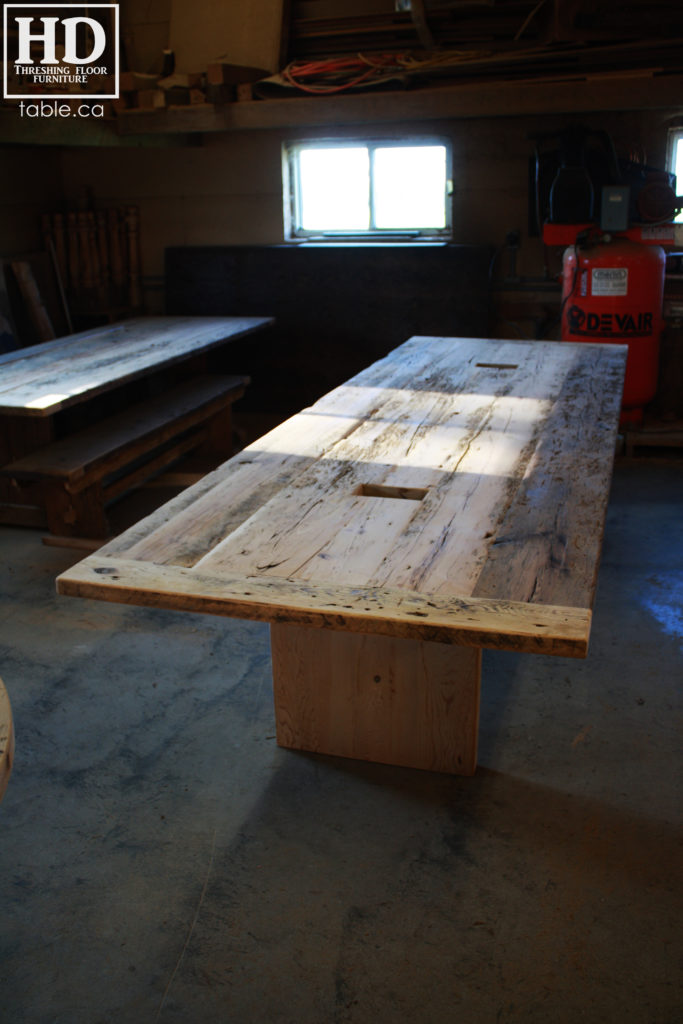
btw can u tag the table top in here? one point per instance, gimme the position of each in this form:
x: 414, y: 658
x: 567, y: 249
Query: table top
x: 43, y: 379
x: 454, y: 491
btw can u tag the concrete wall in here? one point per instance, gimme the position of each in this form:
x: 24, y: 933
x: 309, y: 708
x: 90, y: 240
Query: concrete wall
x: 30, y: 182
x: 227, y: 189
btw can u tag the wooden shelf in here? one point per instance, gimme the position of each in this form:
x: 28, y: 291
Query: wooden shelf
x: 607, y: 91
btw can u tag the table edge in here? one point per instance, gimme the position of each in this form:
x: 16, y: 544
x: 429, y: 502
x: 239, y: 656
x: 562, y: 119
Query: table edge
x: 459, y: 620
x: 252, y: 324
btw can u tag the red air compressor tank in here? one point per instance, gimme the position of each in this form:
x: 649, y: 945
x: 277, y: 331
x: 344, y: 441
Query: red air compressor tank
x: 612, y: 291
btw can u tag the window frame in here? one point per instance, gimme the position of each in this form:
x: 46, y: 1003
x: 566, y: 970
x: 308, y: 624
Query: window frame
x: 675, y: 140
x: 292, y: 192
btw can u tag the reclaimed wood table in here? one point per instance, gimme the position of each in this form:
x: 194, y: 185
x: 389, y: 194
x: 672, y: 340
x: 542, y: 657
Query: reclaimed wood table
x: 38, y: 383
x: 449, y: 498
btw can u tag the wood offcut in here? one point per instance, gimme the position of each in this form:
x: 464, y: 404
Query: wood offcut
x: 6, y: 739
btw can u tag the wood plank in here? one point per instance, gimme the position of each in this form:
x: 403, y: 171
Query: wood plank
x: 477, y: 462
x: 13, y: 514
x: 464, y: 427
x: 80, y: 474
x: 40, y: 380
x: 221, y: 73
x: 467, y: 441
x: 153, y: 466
x: 20, y: 435
x: 419, y: 18
x: 79, y: 514
x: 101, y: 447
x: 446, y: 449
x: 359, y: 413
x: 570, y: 94
x: 175, y: 478
x: 30, y: 293
x: 463, y: 621
x: 184, y: 530
x: 72, y: 543
x: 548, y: 546
x: 6, y: 739
x: 376, y: 698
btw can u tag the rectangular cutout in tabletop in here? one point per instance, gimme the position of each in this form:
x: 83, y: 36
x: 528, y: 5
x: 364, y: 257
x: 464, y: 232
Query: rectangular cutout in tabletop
x: 380, y: 491
x: 498, y: 366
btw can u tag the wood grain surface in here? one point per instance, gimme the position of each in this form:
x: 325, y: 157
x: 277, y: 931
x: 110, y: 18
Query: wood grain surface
x: 376, y: 698
x: 459, y: 473
x: 468, y: 621
x: 40, y: 380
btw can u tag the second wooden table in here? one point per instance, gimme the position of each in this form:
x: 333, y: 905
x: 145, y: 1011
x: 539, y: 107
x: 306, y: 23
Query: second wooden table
x: 37, y: 384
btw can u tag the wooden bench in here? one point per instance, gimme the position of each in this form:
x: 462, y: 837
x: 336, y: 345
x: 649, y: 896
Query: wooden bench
x: 6, y: 739
x: 449, y: 498
x: 81, y: 473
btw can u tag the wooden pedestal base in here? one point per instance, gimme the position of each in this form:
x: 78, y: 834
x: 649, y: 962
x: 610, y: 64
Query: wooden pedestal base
x: 377, y: 698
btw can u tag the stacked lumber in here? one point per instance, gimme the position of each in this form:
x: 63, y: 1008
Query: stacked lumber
x: 246, y: 43
x: 218, y: 83
x: 97, y: 257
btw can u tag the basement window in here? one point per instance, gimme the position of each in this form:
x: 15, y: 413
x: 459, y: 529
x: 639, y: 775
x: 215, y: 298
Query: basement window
x: 368, y: 191
x: 676, y: 163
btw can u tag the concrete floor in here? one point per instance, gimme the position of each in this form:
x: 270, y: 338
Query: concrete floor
x: 161, y: 859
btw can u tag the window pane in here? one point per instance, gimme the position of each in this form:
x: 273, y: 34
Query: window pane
x: 334, y: 189
x: 678, y: 170
x: 410, y: 187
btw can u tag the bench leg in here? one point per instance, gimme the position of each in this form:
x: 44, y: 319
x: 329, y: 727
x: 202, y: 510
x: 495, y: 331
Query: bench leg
x: 377, y: 698
x: 76, y: 514
x: 219, y: 434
